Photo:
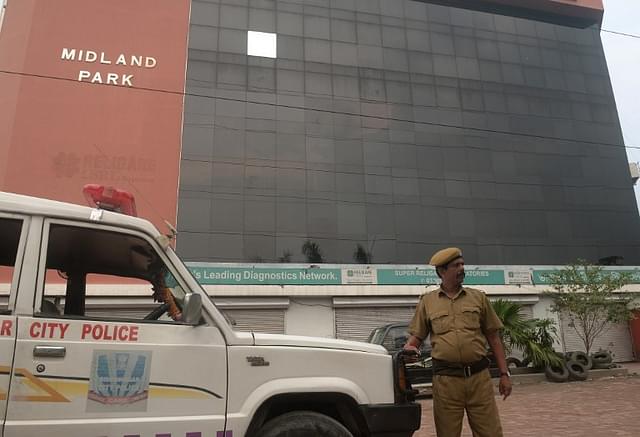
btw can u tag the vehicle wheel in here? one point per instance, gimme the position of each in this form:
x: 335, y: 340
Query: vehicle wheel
x: 577, y: 370
x: 582, y: 358
x: 602, y: 357
x: 514, y: 362
x: 557, y: 373
x: 303, y: 424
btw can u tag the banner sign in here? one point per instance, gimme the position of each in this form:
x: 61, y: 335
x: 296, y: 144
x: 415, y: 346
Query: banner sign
x: 541, y: 277
x: 266, y: 276
x: 517, y: 277
x: 364, y: 275
x: 333, y: 275
x: 428, y: 276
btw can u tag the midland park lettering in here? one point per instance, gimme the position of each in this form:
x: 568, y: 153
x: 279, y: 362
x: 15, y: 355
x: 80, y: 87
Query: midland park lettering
x: 102, y: 58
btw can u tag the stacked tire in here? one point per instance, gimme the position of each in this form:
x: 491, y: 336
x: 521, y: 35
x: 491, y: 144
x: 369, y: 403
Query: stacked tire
x: 602, y: 360
x: 575, y: 367
x: 557, y: 373
x: 578, y: 365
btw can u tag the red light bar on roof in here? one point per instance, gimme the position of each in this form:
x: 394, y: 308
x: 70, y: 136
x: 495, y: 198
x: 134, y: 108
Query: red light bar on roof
x: 110, y: 198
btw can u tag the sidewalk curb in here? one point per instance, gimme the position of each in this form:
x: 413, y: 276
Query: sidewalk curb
x: 537, y: 378
x: 594, y: 374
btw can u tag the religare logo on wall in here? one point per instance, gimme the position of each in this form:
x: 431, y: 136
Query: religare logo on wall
x: 103, y: 58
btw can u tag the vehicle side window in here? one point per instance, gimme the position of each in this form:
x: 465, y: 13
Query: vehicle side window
x: 102, y: 274
x: 9, y: 239
x: 396, y: 338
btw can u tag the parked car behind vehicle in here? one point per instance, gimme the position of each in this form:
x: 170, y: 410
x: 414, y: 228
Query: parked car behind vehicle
x: 393, y: 336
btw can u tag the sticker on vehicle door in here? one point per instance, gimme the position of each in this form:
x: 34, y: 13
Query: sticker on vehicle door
x: 119, y: 381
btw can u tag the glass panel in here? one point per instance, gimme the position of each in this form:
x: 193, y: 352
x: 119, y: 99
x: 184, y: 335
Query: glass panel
x: 112, y: 266
x: 396, y: 338
x: 374, y: 337
x: 10, y: 237
x: 261, y: 44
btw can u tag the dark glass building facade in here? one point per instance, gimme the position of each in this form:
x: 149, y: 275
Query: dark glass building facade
x: 403, y: 127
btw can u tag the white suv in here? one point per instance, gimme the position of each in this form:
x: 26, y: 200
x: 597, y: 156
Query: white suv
x: 68, y: 369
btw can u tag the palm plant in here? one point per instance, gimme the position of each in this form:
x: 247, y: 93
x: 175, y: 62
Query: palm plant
x: 311, y: 250
x: 540, y: 350
x: 361, y: 256
x: 533, y: 336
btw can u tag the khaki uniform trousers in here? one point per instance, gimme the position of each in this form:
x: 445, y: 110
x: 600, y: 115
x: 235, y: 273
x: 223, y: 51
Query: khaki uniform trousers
x: 452, y: 395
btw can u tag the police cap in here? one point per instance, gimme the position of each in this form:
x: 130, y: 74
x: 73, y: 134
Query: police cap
x: 445, y: 256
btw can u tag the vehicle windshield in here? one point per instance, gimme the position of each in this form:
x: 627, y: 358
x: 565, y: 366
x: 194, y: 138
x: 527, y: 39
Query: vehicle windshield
x: 376, y: 336
x: 174, y: 289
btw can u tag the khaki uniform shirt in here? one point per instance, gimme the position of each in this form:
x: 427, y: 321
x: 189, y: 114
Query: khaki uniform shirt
x: 457, y: 326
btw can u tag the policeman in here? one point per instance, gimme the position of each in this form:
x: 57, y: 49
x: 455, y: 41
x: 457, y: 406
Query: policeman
x: 460, y: 321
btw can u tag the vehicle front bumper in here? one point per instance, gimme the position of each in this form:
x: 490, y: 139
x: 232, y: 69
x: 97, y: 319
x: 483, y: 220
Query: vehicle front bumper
x: 392, y: 420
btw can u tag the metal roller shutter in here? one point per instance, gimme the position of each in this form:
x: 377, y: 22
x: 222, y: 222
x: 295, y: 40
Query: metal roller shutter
x: 270, y: 320
x: 357, y: 323
x: 527, y: 312
x: 617, y: 340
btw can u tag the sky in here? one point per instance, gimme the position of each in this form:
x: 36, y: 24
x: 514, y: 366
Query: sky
x: 623, y: 59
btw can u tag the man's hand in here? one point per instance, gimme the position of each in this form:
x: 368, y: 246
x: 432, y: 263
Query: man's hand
x: 411, y: 349
x: 411, y: 353
x: 505, y: 386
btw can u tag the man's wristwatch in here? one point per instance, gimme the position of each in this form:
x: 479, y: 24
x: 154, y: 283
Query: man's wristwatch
x: 507, y: 374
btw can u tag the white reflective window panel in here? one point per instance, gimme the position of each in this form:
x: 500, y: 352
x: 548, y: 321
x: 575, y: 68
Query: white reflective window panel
x: 261, y: 44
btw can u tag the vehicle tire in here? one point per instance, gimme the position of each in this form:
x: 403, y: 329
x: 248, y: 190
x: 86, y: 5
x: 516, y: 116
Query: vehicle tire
x: 557, y: 373
x: 599, y: 366
x: 602, y: 357
x: 303, y: 424
x: 583, y: 358
x: 577, y: 370
x: 514, y: 362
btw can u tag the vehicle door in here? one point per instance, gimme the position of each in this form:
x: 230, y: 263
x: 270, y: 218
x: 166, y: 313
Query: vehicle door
x: 105, y: 352
x: 12, y: 242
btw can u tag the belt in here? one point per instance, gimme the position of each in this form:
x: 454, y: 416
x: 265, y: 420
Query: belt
x: 459, y: 369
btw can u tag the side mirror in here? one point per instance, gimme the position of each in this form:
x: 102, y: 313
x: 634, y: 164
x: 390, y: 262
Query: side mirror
x: 192, y: 309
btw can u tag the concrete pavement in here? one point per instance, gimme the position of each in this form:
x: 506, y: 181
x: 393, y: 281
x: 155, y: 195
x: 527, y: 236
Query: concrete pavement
x: 605, y: 407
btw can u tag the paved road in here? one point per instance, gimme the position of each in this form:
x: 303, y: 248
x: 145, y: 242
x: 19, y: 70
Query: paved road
x: 607, y: 408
